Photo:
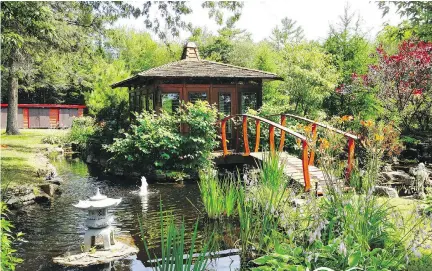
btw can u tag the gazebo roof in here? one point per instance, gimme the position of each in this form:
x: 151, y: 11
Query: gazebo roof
x: 191, y: 66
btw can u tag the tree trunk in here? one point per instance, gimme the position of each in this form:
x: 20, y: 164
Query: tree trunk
x: 12, y: 112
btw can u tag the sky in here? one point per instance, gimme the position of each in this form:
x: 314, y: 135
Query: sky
x: 314, y: 16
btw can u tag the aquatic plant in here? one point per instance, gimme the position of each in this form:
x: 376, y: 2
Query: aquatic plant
x: 218, y: 196
x: 174, y: 255
x: 259, y: 223
x: 272, y: 171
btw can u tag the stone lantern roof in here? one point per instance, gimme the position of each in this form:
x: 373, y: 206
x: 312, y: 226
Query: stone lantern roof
x: 98, y: 201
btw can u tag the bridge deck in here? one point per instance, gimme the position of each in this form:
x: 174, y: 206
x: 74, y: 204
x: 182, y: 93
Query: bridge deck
x: 294, y: 169
x: 292, y: 166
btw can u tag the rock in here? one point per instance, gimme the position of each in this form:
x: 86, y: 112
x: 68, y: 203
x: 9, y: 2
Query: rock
x: 118, y: 251
x: 89, y: 159
x: 42, y: 197
x: 298, y: 202
x: 387, y: 168
x: 420, y: 196
x: 15, y: 202
x: 49, y: 189
x: 56, y: 180
x: 52, y: 172
x: 410, y: 153
x: 385, y: 191
x: 398, y: 176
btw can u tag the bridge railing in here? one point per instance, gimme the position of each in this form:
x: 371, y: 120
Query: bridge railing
x: 272, y: 126
x: 350, y: 138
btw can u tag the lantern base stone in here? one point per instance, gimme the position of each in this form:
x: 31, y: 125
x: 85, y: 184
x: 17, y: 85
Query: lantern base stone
x: 123, y: 248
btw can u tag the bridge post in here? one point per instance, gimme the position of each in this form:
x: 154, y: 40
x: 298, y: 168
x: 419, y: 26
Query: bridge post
x: 224, y: 143
x: 272, y: 136
x: 245, y: 136
x: 257, y: 134
x: 314, y: 137
x: 305, y: 164
x: 351, y: 146
x: 282, y: 139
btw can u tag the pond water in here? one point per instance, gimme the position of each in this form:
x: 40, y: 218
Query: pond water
x: 56, y: 228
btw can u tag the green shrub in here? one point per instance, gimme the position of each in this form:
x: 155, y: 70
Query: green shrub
x: 156, y: 141
x: 53, y: 139
x: 83, y: 128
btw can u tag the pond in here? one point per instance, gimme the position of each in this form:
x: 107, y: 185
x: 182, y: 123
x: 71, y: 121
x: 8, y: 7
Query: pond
x: 56, y: 228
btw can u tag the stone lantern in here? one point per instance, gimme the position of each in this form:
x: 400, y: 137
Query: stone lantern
x: 98, y: 221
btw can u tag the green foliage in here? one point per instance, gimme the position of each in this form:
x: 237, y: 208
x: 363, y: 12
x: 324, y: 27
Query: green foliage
x: 53, y: 139
x: 272, y: 172
x: 8, y: 258
x: 174, y: 244
x: 341, y: 231
x: 156, y: 141
x: 82, y: 130
x: 309, y: 76
x: 418, y: 14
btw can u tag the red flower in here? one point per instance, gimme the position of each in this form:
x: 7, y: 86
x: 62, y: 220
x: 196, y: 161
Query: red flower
x: 418, y: 91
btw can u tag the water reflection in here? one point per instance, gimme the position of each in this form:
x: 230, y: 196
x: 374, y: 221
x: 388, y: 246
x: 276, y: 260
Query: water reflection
x: 54, y: 229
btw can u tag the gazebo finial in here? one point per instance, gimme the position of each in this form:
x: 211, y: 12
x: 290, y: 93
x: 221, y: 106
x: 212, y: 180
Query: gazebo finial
x: 190, y: 51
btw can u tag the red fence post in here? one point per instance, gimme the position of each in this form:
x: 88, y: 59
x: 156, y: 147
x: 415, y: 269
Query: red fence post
x: 224, y: 143
x: 245, y: 136
x: 305, y: 165
x: 271, y: 136
x: 314, y: 137
x: 351, y: 146
x: 282, y: 139
x: 257, y: 134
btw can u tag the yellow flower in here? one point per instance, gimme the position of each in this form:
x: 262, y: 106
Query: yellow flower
x: 308, y: 129
x: 379, y: 137
x: 324, y: 143
x: 298, y: 141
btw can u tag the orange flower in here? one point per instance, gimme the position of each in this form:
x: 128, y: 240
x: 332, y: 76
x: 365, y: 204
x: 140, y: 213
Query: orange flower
x: 367, y: 123
x: 298, y: 141
x: 346, y: 118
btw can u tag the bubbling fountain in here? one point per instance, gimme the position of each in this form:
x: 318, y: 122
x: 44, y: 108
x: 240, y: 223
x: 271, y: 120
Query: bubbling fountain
x: 143, y: 189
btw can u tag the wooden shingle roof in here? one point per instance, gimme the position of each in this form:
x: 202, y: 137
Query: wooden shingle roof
x: 191, y: 66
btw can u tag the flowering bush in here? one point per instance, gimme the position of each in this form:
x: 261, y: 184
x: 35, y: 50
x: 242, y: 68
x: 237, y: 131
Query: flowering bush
x: 404, y: 84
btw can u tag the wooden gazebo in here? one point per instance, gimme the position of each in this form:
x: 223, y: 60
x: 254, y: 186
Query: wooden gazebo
x: 233, y: 89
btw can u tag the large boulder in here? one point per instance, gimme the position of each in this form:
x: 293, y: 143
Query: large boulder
x: 385, y: 191
x: 399, y: 177
x: 49, y: 188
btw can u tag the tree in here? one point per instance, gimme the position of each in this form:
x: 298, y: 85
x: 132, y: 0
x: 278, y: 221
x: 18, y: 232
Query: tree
x: 289, y: 32
x: 309, y: 76
x: 350, y: 52
x: 419, y: 14
x: 404, y: 84
x: 29, y: 29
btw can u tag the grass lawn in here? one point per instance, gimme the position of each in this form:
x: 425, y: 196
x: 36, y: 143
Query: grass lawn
x: 19, y: 162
